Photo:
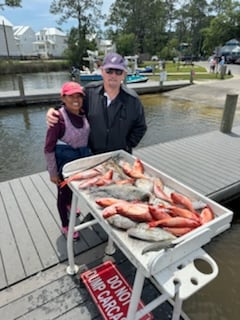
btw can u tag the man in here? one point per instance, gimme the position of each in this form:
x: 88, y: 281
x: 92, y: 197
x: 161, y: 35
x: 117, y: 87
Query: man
x: 115, y: 112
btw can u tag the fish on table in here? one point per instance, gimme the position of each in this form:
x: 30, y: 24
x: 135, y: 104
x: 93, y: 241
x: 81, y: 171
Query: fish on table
x: 119, y: 191
x: 142, y: 231
x: 121, y: 222
x: 141, y: 204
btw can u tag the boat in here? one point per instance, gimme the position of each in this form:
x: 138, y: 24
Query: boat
x: 147, y: 69
x: 84, y: 78
x: 136, y: 78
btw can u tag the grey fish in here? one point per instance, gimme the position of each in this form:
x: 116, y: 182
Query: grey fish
x: 112, y: 164
x: 159, y: 245
x: 124, y: 192
x: 144, y: 184
x: 121, y: 222
x: 143, y: 232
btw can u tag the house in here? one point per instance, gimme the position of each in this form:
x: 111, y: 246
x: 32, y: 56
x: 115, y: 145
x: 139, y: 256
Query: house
x: 105, y: 46
x: 24, y: 37
x: 8, y: 47
x: 50, y: 42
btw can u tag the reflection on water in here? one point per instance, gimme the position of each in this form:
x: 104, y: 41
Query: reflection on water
x: 170, y: 119
x: 38, y: 80
x: 22, y: 134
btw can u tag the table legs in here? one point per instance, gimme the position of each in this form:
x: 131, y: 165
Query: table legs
x: 136, y: 295
x: 72, y: 268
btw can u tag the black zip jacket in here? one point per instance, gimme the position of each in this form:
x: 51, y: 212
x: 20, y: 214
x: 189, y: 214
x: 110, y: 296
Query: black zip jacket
x: 121, y: 125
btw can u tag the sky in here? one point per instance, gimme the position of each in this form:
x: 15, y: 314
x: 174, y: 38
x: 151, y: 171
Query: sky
x: 35, y: 13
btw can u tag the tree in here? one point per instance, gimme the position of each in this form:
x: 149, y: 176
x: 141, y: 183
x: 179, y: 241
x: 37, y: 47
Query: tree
x: 10, y: 3
x: 126, y: 44
x: 192, y: 17
x: 145, y: 19
x: 88, y: 15
x: 222, y: 28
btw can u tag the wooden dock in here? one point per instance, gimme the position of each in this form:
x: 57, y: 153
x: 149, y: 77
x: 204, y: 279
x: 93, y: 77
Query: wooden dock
x: 208, y: 163
x: 48, y: 95
x: 33, y: 280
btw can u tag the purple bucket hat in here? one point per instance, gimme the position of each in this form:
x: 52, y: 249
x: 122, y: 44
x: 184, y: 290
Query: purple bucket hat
x: 114, y: 61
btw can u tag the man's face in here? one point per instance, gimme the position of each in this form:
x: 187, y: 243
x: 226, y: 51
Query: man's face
x: 113, y: 77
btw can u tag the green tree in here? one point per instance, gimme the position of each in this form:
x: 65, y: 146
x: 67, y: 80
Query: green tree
x: 145, y: 19
x: 192, y: 17
x: 223, y: 26
x: 10, y: 3
x: 88, y: 16
x: 126, y: 44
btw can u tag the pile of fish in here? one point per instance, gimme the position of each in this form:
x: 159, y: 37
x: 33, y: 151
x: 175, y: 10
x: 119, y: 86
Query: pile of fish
x: 140, y: 204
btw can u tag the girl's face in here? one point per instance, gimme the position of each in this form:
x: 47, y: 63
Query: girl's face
x: 73, y: 102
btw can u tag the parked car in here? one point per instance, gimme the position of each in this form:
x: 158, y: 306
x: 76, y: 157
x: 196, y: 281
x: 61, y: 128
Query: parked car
x: 237, y: 61
x: 232, y: 58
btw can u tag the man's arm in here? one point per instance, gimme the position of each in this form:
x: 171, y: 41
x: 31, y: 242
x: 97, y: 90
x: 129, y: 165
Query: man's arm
x: 52, y: 117
x: 139, y: 127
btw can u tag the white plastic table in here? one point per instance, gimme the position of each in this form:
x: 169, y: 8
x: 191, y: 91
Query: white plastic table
x: 173, y: 271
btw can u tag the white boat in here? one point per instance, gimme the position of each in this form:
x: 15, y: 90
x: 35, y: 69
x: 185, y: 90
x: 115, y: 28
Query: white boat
x: 88, y: 77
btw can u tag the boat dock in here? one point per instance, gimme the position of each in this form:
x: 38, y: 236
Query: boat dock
x: 33, y: 260
x: 52, y: 95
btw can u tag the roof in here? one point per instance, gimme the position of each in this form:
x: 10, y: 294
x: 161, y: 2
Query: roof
x: 236, y: 49
x: 20, y: 30
x: 51, y: 31
x: 232, y: 42
x: 5, y: 21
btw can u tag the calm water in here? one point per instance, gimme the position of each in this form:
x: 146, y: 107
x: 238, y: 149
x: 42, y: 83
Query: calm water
x: 22, y: 134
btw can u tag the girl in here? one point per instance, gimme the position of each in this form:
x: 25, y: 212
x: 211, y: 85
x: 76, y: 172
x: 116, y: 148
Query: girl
x: 65, y: 142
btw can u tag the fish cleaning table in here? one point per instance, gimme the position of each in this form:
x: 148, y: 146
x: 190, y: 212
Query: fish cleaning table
x: 175, y: 271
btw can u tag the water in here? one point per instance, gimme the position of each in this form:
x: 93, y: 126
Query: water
x: 39, y: 80
x: 22, y: 134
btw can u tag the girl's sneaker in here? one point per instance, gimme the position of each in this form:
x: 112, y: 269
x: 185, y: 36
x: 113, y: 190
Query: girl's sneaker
x: 65, y: 233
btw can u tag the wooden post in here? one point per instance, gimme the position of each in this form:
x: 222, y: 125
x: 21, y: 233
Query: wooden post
x: 228, y: 113
x: 21, y: 86
x: 191, y: 76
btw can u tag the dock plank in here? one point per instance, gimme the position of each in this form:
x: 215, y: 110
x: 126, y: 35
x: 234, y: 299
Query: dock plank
x: 43, y: 249
x: 10, y: 234
x: 30, y: 235
x: 207, y: 163
x: 46, y: 220
x: 47, y: 95
x: 54, y: 308
x: 38, y: 298
x: 3, y: 279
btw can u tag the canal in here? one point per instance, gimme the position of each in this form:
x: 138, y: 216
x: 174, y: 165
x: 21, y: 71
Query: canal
x: 22, y: 135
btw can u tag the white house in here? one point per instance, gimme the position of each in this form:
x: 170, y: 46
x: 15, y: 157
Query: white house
x: 105, y: 46
x: 50, y: 42
x: 24, y: 37
x: 8, y: 47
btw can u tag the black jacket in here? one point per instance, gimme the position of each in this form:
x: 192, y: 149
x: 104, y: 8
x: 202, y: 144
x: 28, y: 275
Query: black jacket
x: 118, y: 126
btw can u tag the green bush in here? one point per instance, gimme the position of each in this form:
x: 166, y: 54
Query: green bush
x: 15, y: 66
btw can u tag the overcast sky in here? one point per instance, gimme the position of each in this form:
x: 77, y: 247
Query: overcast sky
x: 35, y: 13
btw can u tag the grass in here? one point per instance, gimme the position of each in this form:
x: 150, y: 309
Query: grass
x: 180, y: 71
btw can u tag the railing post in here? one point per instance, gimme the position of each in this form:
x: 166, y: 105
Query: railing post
x: 192, y: 73
x: 228, y: 113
